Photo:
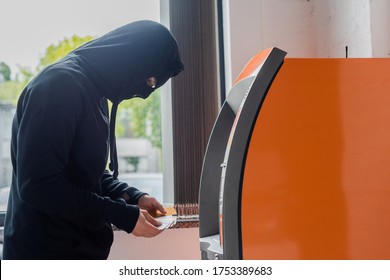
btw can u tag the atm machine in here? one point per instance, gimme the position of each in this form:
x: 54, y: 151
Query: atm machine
x: 297, y: 164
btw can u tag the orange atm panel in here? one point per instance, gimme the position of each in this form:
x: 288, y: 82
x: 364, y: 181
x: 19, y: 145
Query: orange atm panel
x: 316, y: 183
x: 299, y: 170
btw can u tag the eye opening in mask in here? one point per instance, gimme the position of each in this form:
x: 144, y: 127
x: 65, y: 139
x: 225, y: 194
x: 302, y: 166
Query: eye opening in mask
x: 151, y: 82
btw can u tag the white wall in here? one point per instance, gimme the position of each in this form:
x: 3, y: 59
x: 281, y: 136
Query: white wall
x: 380, y: 24
x: 342, y: 23
x: 171, y: 244
x: 305, y: 28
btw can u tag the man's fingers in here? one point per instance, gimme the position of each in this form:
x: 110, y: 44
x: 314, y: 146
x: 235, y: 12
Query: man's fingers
x: 152, y: 230
x: 145, y: 226
x: 161, y: 208
x: 151, y: 220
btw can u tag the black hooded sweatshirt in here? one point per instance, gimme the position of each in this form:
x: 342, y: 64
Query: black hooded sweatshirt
x: 63, y: 202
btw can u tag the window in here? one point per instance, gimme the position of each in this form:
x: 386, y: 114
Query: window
x: 33, y: 27
x: 7, y: 110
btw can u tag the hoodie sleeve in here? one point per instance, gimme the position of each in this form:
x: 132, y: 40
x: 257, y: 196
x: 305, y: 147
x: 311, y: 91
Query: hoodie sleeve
x: 48, y: 115
x: 114, y: 189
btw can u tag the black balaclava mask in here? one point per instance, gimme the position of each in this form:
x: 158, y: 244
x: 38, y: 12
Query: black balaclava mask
x: 120, y: 62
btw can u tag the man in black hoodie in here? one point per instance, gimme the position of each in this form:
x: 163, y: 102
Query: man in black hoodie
x: 63, y: 202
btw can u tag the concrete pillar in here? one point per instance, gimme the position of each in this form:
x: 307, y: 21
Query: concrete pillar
x: 342, y: 23
x: 305, y: 28
x: 380, y: 25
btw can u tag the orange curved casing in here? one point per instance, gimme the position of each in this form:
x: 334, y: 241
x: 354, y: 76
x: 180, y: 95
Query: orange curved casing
x: 253, y: 65
x: 220, y: 181
x: 316, y: 183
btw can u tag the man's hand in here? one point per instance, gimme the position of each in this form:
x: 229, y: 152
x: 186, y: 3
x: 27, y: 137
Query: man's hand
x: 146, y: 225
x: 149, y: 203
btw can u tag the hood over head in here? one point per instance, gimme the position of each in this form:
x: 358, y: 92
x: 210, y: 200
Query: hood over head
x: 120, y: 62
x: 124, y: 58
